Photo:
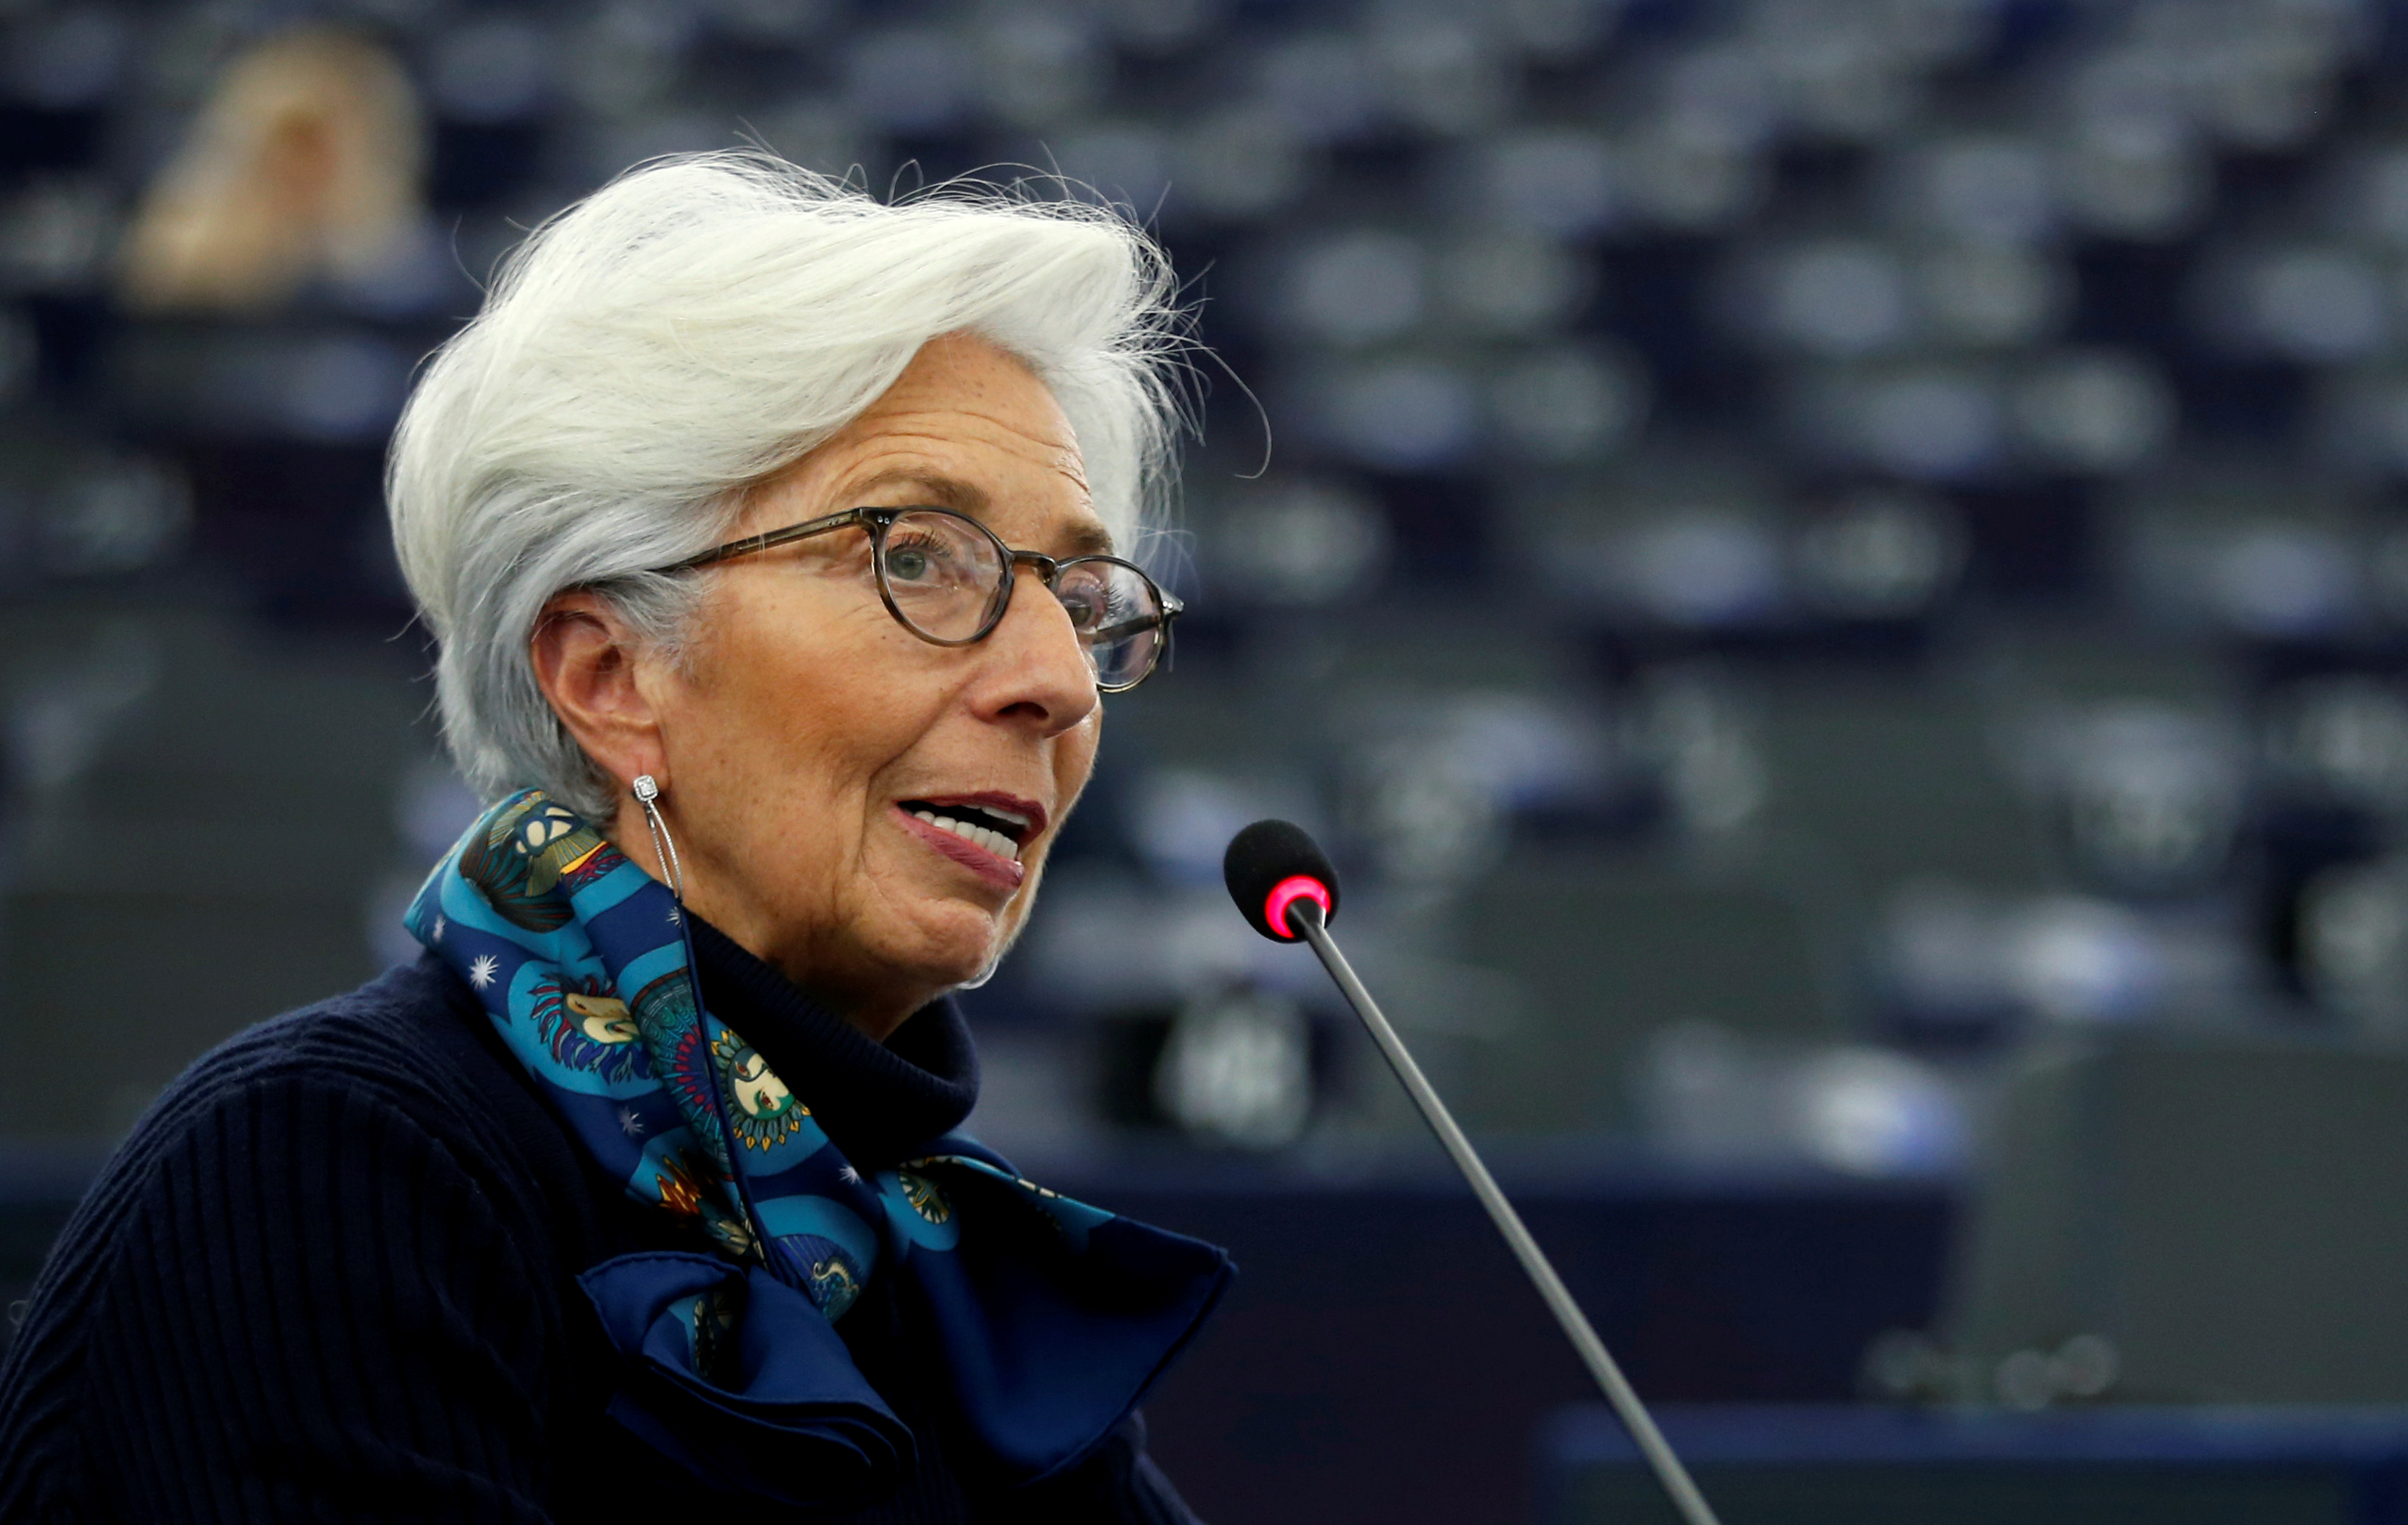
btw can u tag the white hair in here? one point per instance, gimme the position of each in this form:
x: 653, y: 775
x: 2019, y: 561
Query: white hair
x: 692, y: 328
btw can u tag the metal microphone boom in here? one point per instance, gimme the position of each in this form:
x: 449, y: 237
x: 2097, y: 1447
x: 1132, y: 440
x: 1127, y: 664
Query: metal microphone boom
x: 1274, y: 877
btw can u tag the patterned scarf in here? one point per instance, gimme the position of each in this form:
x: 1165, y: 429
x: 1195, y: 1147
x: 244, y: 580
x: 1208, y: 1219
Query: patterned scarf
x: 1047, y: 1317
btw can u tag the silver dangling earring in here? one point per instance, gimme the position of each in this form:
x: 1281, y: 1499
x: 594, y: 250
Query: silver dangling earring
x: 648, y: 794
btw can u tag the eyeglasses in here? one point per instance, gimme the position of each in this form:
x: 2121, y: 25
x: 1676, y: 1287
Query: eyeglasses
x: 947, y: 579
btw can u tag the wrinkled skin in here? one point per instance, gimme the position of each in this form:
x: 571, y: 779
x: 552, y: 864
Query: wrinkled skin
x: 801, y: 715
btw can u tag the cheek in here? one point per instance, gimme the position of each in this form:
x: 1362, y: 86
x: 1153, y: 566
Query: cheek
x: 811, y: 707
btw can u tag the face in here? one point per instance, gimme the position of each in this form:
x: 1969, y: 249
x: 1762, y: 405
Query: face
x: 810, y: 743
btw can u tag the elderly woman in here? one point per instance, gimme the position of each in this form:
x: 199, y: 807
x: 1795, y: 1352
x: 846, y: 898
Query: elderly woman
x: 769, y: 534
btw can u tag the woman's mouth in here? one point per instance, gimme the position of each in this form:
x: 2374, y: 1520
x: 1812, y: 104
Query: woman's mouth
x: 984, y: 835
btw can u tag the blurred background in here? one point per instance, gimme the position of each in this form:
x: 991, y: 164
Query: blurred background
x: 1835, y: 573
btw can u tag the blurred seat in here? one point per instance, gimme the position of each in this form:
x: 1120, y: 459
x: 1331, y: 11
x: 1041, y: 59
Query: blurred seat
x: 1602, y: 956
x: 201, y: 819
x: 2230, y: 1215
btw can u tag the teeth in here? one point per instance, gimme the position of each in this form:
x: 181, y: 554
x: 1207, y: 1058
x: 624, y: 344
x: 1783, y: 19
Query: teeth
x: 994, y: 841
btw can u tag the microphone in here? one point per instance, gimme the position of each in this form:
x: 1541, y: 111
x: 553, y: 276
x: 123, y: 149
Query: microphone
x: 1286, y: 890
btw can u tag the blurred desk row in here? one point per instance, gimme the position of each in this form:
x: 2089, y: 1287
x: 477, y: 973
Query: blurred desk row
x: 1804, y: 1465
x: 1381, y: 1357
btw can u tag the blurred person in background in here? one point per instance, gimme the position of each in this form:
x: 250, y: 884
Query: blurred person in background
x: 304, y: 165
x: 767, y: 533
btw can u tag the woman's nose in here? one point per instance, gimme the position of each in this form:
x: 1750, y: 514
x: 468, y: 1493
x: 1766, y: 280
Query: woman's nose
x: 1036, y: 670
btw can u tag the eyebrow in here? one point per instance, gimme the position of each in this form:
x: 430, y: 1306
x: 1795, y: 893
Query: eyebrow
x: 934, y: 490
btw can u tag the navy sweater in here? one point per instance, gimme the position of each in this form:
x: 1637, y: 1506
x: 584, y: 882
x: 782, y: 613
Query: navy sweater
x: 330, y: 1277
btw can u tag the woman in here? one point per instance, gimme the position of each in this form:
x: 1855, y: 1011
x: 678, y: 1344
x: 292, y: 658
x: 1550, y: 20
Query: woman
x: 767, y: 532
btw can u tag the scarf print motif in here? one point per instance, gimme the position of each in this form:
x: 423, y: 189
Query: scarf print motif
x: 581, y: 960
x: 1051, y: 1318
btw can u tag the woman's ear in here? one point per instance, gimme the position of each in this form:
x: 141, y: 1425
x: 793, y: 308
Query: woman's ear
x: 590, y: 668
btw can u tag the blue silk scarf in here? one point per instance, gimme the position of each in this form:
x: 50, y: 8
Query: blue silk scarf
x: 1044, y: 1319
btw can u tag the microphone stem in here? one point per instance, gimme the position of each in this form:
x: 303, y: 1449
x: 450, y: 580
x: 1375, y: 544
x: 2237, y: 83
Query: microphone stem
x: 1306, y: 916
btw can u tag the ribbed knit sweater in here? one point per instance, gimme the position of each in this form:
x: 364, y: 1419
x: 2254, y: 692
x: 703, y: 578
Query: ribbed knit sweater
x: 329, y: 1276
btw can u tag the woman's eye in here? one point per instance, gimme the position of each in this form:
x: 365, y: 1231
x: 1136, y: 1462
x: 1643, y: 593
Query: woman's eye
x: 913, y: 559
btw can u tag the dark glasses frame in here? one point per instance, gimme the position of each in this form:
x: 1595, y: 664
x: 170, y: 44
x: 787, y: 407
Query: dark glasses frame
x: 877, y: 521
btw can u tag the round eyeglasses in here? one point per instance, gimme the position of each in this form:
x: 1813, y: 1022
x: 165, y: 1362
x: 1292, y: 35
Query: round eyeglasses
x: 947, y: 579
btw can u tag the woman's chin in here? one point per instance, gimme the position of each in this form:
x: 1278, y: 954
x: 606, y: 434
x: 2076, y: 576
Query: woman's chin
x: 958, y: 949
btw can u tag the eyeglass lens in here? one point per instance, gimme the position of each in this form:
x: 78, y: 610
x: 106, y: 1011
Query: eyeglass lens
x: 945, y: 576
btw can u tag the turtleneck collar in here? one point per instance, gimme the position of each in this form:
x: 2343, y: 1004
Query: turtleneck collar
x: 877, y: 1103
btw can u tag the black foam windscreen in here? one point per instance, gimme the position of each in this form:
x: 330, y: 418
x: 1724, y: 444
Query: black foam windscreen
x: 1266, y: 856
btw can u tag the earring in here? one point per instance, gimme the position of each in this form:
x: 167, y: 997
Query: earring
x: 648, y: 793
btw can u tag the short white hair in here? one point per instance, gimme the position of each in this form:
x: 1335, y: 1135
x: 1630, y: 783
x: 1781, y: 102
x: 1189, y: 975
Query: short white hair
x: 693, y: 327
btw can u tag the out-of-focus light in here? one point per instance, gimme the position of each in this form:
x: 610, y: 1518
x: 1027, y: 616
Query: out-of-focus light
x: 118, y: 518
x: 625, y: 55
x: 1439, y: 69
x: 1722, y: 92
x: 1938, y: 951
x: 63, y: 712
x: 497, y: 68
x: 417, y: 270
x: 1880, y: 554
x: 2342, y: 739
x: 1180, y: 820
x: 1932, y: 423
x: 2094, y: 411
x: 1128, y: 164
x: 1041, y: 65
x: 1691, y: 182
x: 2074, y: 959
x: 1237, y: 1069
x: 1849, y: 89
x: 54, y: 232
x: 2151, y: 797
x: 1992, y: 294
x: 2352, y: 941
x: 1836, y: 297
x: 345, y: 387
x: 2370, y: 195
x: 1552, y: 31
x: 1357, y: 288
x: 779, y: 22
x: 1431, y: 821
x: 2134, y: 176
x: 1159, y: 28
x: 1872, y: 1112
x: 1978, y: 189
x: 908, y: 79
x: 1512, y: 284
x: 1560, y: 183
x: 1303, y: 543
x: 1712, y: 1098
x: 1402, y: 414
x: 431, y: 808
x: 1704, y: 746
x: 1322, y: 83
x: 1702, y: 567
x: 1569, y: 404
x: 2278, y: 579
x: 1243, y: 160
x: 2313, y: 304
x: 70, y: 57
x: 2274, y: 100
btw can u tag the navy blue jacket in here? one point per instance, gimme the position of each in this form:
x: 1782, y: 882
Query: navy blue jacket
x: 330, y: 1276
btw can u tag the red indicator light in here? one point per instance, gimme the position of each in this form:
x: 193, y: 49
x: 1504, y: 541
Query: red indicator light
x: 1286, y: 893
